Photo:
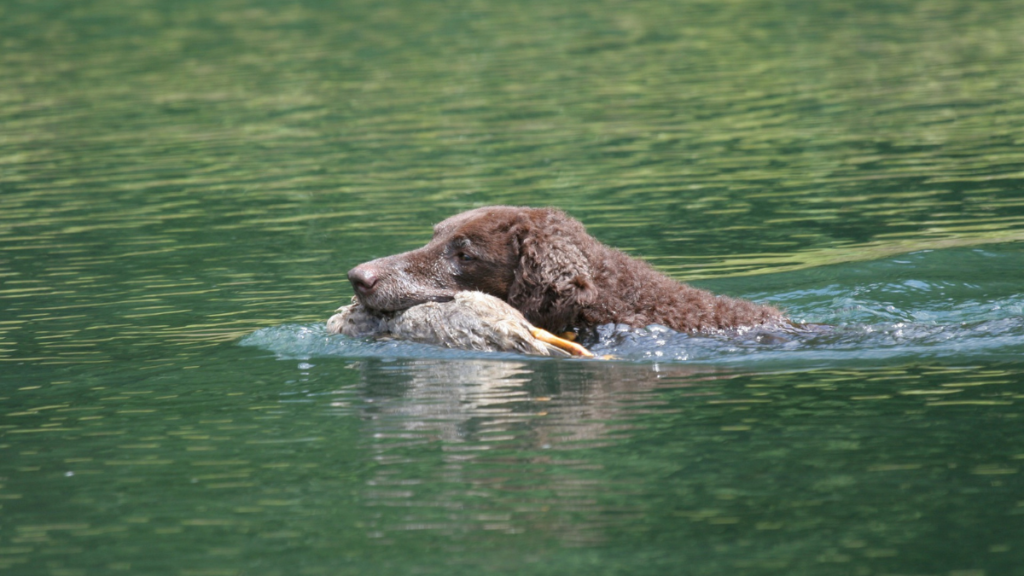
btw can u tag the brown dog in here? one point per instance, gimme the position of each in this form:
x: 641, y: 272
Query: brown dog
x: 545, y: 264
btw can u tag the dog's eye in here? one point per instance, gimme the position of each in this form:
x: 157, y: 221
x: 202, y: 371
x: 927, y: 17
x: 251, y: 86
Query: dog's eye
x: 466, y: 257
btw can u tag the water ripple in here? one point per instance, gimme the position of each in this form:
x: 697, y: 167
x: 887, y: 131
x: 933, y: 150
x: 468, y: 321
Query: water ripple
x: 911, y: 308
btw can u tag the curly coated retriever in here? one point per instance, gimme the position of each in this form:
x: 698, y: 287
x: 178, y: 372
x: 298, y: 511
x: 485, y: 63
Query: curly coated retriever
x: 544, y: 263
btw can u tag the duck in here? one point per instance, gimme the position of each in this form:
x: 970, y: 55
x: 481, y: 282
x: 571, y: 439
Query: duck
x: 469, y: 321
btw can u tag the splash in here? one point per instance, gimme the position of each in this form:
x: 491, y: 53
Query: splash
x: 894, y: 309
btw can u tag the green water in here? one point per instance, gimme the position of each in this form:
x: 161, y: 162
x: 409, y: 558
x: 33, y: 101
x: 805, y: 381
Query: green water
x: 183, y: 186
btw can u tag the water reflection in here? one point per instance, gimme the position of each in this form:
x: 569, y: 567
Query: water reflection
x: 824, y: 468
x: 457, y: 462
x: 503, y: 446
x: 458, y: 401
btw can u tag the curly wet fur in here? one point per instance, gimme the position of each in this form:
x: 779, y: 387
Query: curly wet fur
x: 543, y: 262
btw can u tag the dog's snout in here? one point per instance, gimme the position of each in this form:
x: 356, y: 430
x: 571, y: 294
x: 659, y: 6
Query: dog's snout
x: 363, y: 279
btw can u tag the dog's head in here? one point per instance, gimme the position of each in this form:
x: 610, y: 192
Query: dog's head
x: 533, y: 258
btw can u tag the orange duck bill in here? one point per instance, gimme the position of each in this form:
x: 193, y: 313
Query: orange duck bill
x: 570, y: 347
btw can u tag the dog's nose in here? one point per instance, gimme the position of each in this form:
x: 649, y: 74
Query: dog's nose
x: 363, y: 279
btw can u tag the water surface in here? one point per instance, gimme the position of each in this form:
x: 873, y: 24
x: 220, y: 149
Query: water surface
x: 183, y: 186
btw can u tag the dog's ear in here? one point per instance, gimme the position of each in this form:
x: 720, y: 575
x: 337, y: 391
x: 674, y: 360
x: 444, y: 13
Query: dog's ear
x: 553, y: 279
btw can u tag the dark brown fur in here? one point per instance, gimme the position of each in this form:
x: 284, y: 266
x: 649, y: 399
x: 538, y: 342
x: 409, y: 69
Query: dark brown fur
x: 545, y: 264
